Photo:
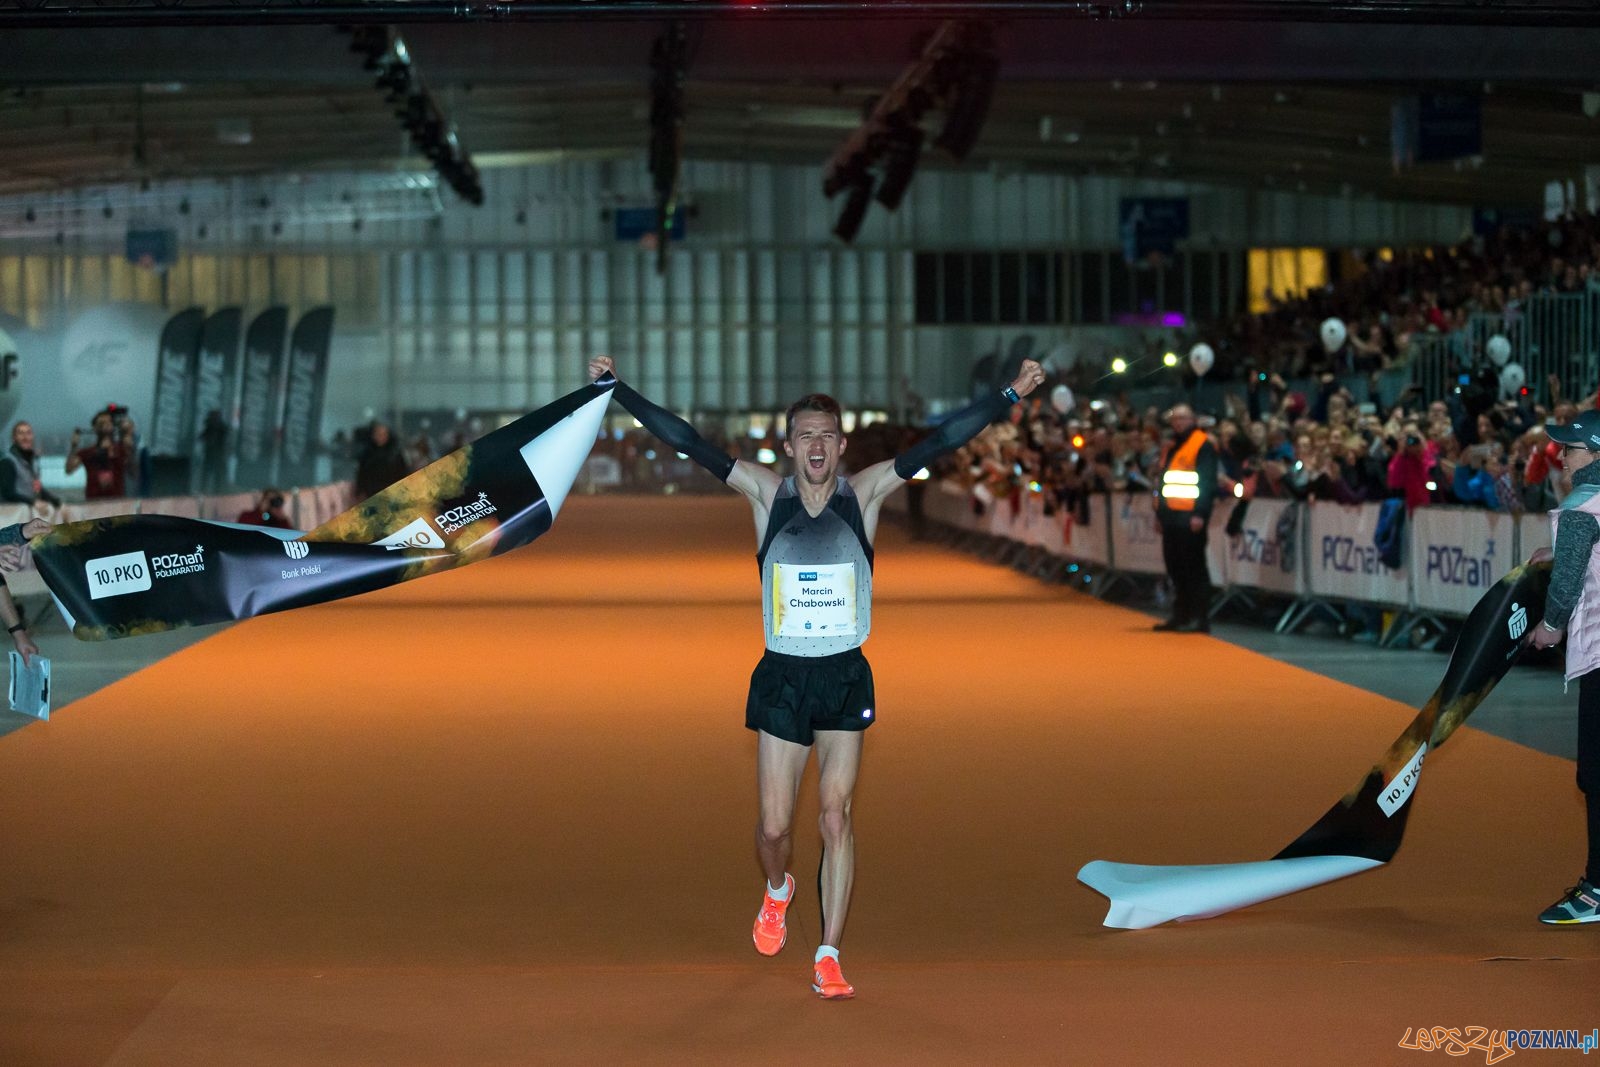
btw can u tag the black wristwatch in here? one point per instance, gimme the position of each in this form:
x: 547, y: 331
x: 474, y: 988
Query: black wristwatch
x: 18, y: 626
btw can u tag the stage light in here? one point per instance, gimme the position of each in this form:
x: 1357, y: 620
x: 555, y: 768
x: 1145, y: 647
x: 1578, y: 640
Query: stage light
x: 900, y: 163
x: 965, y: 122
x: 1170, y: 359
x: 419, y: 113
x: 1077, y: 440
x: 855, y: 209
x: 1238, y: 490
x: 1431, y: 487
x: 766, y: 455
x: 955, y: 73
x: 1119, y: 366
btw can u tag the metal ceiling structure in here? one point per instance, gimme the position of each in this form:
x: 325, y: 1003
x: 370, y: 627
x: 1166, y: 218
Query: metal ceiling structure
x: 265, y: 12
x: 1255, y: 94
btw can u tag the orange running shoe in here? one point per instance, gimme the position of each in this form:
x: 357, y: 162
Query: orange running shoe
x: 827, y: 981
x: 770, y: 932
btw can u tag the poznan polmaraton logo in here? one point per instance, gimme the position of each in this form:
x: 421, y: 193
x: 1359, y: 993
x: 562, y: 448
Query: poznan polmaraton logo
x: 179, y: 563
x: 131, y: 572
x: 465, y: 515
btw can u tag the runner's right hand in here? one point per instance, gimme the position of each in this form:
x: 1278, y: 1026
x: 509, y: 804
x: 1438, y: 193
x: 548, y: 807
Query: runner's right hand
x: 599, y: 365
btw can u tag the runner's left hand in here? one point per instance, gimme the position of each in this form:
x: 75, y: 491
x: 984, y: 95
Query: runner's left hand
x: 1030, y: 377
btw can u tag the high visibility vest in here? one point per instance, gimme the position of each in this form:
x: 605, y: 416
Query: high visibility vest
x: 1180, y: 481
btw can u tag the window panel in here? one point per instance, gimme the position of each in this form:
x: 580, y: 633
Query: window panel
x: 957, y: 288
x: 928, y: 286
x: 980, y: 274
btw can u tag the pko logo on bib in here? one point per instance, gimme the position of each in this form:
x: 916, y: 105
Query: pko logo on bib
x: 117, y: 575
x: 296, y: 549
x: 808, y: 576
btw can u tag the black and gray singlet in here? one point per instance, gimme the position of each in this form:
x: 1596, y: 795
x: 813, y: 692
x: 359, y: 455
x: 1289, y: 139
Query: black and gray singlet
x: 816, y: 575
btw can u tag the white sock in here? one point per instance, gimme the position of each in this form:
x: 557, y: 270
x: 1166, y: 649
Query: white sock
x: 827, y: 950
x: 781, y: 893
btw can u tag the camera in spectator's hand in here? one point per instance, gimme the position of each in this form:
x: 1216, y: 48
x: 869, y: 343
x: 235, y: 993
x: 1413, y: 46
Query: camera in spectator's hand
x: 1413, y: 439
x: 275, y: 501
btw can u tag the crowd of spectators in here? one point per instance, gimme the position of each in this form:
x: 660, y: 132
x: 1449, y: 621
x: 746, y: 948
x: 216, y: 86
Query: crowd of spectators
x: 1468, y: 449
x: 1390, y: 298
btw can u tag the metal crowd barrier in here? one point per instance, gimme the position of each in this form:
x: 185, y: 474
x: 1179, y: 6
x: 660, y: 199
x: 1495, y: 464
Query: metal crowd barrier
x: 1316, y: 556
x: 1550, y: 333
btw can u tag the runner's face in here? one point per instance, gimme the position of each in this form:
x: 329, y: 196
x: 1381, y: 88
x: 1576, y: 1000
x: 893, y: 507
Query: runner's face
x: 815, y: 444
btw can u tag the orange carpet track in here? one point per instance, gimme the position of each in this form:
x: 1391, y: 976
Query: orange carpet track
x: 505, y: 816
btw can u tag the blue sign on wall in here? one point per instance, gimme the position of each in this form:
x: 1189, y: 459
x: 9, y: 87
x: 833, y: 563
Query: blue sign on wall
x: 152, y: 249
x: 1431, y: 127
x: 1486, y: 220
x: 632, y: 223
x: 1152, y: 224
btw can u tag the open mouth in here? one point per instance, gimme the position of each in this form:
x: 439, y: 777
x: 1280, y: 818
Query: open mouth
x: 817, y: 462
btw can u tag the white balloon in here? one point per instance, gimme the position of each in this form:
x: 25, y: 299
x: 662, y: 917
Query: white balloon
x: 1201, y: 358
x: 1512, y: 379
x: 1061, y: 399
x: 1499, y: 349
x: 1333, y: 335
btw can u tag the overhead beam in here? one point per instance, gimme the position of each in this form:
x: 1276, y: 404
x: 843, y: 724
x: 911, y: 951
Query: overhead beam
x: 58, y: 13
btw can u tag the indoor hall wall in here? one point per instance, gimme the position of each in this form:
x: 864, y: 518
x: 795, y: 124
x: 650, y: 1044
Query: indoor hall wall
x: 87, y: 324
x: 761, y: 302
x: 474, y: 308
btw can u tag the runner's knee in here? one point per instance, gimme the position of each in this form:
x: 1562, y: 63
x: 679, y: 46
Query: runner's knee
x: 834, y: 821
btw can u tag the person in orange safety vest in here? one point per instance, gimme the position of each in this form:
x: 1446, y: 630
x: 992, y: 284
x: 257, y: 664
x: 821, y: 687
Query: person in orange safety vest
x: 1185, y: 493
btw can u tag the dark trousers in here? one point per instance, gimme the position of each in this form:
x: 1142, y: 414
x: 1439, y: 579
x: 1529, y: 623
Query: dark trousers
x: 1589, y: 764
x: 1184, y: 553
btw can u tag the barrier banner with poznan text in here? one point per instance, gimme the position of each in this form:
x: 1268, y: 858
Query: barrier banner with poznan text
x: 1266, y: 552
x: 1457, y: 554
x: 1342, y: 559
x: 1533, y: 532
x: 1088, y: 540
x: 1135, y: 535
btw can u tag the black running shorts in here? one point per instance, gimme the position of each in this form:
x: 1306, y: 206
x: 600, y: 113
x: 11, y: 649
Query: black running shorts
x: 791, y: 697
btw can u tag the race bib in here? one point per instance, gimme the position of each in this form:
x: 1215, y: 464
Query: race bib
x: 813, y: 601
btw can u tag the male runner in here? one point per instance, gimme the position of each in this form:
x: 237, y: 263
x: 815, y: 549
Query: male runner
x: 813, y: 686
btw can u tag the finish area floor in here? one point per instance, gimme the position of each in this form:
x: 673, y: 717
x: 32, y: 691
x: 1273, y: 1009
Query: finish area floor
x: 506, y: 816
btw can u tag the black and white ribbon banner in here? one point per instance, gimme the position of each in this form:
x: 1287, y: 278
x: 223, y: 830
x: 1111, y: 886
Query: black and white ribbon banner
x: 1364, y: 828
x: 129, y: 575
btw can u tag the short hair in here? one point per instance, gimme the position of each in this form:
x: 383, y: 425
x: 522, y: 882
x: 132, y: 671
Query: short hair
x: 818, y: 402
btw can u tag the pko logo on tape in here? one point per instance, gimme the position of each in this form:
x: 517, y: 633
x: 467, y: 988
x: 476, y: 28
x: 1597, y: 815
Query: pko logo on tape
x: 132, y: 572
